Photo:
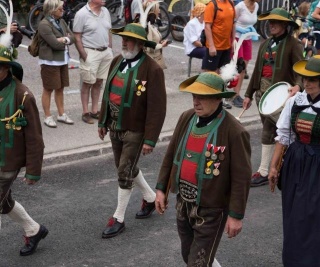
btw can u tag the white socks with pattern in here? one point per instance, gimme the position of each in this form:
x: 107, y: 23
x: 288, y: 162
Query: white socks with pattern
x: 266, y: 154
x: 123, y: 200
x: 20, y: 216
x: 148, y: 194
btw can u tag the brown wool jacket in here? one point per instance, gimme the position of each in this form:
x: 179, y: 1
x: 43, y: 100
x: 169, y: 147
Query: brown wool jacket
x: 50, y: 48
x: 289, y: 52
x: 230, y: 188
x: 144, y: 113
x: 26, y: 148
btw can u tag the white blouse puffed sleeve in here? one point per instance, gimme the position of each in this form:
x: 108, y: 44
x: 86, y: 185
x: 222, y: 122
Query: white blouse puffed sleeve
x: 285, y: 134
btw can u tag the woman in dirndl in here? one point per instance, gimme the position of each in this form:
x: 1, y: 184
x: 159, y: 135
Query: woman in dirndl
x: 299, y: 132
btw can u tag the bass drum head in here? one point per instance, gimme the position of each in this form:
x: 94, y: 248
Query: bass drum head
x: 274, y: 98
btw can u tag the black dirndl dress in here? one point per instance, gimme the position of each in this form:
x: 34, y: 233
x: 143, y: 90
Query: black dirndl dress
x: 300, y: 182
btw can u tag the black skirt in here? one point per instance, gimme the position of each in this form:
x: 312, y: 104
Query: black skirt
x: 301, y: 206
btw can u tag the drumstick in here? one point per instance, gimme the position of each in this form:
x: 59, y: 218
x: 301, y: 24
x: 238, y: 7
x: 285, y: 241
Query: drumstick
x: 238, y: 118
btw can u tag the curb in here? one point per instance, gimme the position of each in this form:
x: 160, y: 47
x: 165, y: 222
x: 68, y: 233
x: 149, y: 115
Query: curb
x: 67, y: 156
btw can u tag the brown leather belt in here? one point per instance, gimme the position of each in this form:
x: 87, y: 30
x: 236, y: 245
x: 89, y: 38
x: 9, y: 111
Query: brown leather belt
x: 98, y: 49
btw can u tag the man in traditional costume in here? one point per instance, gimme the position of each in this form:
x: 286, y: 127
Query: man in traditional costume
x: 21, y: 145
x: 275, y: 59
x: 208, y: 165
x: 133, y: 110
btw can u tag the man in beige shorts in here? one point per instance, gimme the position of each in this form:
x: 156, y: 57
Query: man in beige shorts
x: 91, y: 28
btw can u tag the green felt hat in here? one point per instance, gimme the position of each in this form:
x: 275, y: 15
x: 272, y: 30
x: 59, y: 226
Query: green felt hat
x: 308, y: 68
x: 279, y: 14
x: 134, y: 30
x: 206, y: 83
x: 6, y: 58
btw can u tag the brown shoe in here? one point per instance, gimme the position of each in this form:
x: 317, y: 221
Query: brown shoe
x: 95, y: 115
x: 87, y: 118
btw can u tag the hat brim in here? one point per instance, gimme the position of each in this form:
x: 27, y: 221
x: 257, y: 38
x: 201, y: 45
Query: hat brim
x: 268, y: 16
x: 192, y: 86
x: 300, y: 68
x: 120, y: 32
x: 16, y: 68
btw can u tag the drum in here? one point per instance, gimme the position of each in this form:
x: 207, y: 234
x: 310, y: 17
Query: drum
x: 273, y: 100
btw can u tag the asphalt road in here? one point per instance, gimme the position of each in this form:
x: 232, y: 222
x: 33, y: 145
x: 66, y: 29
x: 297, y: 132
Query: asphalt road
x: 75, y: 200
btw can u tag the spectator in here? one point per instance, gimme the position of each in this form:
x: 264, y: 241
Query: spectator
x: 246, y: 17
x: 154, y: 35
x: 299, y: 176
x: 303, y: 31
x: 21, y: 142
x: 220, y: 33
x: 275, y: 59
x: 133, y: 110
x: 192, y: 32
x: 92, y: 24
x: 316, y: 15
x: 55, y: 38
x: 16, y: 35
x: 207, y: 164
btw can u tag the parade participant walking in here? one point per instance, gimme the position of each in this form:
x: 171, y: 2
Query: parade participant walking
x: 91, y: 28
x: 274, y: 62
x: 55, y: 36
x: 298, y: 131
x: 21, y: 145
x: 133, y: 110
x: 208, y: 164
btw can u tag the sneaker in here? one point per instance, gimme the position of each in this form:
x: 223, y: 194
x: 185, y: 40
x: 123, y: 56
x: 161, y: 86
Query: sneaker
x: 237, y: 101
x: 95, y: 115
x: 65, y: 119
x: 246, y: 76
x: 49, y: 121
x: 257, y: 179
x: 226, y: 105
x: 87, y: 118
x: 113, y: 228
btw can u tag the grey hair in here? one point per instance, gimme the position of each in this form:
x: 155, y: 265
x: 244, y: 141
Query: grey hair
x: 50, y: 6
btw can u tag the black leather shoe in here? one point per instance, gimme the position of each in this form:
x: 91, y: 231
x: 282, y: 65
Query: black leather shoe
x: 257, y: 180
x: 146, y: 209
x: 31, y: 242
x: 113, y: 228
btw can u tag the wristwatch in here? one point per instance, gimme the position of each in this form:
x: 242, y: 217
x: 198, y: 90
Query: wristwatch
x: 65, y: 41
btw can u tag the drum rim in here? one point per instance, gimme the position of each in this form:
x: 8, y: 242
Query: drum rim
x: 267, y: 92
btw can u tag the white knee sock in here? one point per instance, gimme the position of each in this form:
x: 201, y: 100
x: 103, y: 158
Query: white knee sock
x: 216, y: 263
x: 266, y: 154
x: 148, y: 194
x: 20, y: 216
x: 123, y: 200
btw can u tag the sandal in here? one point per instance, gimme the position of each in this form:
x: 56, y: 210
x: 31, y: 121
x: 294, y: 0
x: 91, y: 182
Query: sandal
x: 49, y: 121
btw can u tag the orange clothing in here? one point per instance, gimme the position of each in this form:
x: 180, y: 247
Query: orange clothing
x: 222, y: 25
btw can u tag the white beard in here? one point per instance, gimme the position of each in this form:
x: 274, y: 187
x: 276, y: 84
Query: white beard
x: 130, y: 54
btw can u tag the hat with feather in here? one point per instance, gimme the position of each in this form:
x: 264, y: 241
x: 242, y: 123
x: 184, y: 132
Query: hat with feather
x: 7, y: 52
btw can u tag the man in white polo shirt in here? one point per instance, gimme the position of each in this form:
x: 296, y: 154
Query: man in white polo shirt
x: 92, y: 25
